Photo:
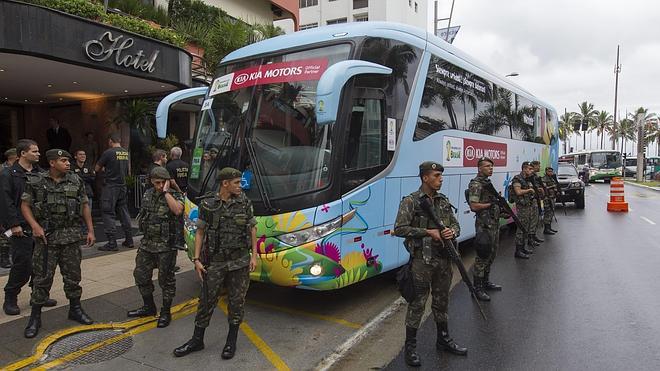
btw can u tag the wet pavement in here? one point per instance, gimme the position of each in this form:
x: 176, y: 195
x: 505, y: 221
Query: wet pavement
x: 588, y: 298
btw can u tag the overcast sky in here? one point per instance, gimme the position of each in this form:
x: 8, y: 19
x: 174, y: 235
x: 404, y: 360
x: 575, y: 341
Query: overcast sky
x: 565, y: 50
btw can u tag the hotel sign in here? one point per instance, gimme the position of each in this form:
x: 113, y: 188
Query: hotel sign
x: 118, y: 48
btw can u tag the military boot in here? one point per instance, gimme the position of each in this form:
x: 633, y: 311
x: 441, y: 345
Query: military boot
x: 537, y: 239
x: 4, y: 257
x: 520, y: 252
x: 195, y: 344
x: 230, y: 345
x: 479, y: 289
x: 547, y: 230
x: 11, y: 305
x: 76, y: 313
x: 34, y: 323
x: 444, y: 342
x: 50, y: 302
x: 148, y: 309
x: 165, y: 315
x: 552, y: 229
x: 411, y: 356
x: 489, y: 286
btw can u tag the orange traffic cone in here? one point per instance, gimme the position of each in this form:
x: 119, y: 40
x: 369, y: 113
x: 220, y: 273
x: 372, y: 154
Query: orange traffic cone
x: 617, y: 197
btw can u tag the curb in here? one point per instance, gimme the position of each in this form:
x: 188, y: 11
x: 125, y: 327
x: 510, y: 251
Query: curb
x: 657, y: 189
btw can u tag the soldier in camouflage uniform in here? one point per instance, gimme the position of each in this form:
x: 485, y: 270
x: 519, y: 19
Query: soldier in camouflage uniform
x: 158, y: 219
x: 550, y: 200
x: 523, y: 195
x: 53, y: 204
x: 536, y: 181
x: 226, y: 227
x: 487, y: 227
x: 5, y: 244
x: 431, y: 265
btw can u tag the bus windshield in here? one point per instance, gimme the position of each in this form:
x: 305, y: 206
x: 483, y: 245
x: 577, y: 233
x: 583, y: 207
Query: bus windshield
x: 263, y: 121
x: 606, y: 160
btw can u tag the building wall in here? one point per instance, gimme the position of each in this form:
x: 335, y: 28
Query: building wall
x: 400, y: 11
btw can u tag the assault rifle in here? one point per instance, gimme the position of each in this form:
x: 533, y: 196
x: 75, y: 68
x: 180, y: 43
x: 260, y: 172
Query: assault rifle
x: 547, y: 194
x: 505, y: 205
x: 537, y: 193
x: 453, y: 253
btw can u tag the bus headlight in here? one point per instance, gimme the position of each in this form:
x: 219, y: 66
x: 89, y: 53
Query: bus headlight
x: 316, y: 269
x: 311, y: 234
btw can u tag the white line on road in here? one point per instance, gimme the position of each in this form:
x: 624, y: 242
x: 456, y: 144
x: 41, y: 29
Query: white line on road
x: 647, y: 220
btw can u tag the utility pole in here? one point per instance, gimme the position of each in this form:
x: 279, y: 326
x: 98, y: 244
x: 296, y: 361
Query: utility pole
x: 617, y: 69
x: 435, y: 19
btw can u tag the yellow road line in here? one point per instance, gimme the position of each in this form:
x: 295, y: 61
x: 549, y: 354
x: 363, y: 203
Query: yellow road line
x: 178, y: 311
x: 340, y: 321
x: 258, y: 342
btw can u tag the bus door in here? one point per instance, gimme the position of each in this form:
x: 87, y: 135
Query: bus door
x: 365, y: 155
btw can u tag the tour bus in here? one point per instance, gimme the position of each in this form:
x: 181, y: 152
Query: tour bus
x: 652, y: 166
x: 329, y: 126
x: 599, y: 164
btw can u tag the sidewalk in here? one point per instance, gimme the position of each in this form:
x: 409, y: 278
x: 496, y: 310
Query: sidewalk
x: 642, y: 185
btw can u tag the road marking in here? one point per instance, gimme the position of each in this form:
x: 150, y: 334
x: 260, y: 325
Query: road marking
x: 647, y: 220
x: 258, y: 342
x: 133, y: 327
x: 296, y: 312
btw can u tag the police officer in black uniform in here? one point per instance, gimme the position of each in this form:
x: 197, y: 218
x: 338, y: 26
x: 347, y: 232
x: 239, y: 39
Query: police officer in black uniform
x: 12, y: 185
x: 178, y: 169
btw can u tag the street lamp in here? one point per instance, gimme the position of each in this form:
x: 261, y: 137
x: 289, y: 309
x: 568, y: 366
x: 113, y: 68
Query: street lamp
x: 512, y: 74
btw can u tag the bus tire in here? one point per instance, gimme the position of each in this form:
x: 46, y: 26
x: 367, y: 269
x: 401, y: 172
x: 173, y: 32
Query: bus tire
x: 606, y: 180
x: 579, y: 202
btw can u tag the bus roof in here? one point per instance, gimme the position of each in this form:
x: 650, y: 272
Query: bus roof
x: 592, y: 151
x: 397, y: 31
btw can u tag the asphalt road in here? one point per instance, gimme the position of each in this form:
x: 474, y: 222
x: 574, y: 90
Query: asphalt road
x: 587, y: 300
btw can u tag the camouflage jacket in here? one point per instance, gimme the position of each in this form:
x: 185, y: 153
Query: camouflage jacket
x: 57, y: 206
x: 550, y: 185
x: 412, y: 223
x: 527, y: 199
x: 157, y: 222
x: 228, y: 226
x: 478, y: 194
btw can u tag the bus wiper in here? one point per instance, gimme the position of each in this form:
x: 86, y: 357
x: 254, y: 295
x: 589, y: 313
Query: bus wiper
x: 258, y: 178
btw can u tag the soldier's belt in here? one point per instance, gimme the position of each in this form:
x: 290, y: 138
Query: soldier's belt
x: 224, y: 255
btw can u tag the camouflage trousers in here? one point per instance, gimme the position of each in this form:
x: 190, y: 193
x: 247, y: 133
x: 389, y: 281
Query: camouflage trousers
x: 145, y: 263
x: 549, y: 213
x: 436, y: 278
x: 485, y: 259
x: 238, y: 282
x: 44, y: 261
x: 536, y: 218
x: 529, y: 216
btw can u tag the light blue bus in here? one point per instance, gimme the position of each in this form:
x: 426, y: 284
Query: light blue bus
x: 329, y: 126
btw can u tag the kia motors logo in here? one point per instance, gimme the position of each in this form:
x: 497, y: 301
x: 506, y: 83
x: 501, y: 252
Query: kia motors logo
x: 469, y: 153
x: 242, y: 78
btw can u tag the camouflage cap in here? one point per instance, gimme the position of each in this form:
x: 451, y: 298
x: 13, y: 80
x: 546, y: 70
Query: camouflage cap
x: 56, y: 153
x: 159, y: 172
x: 10, y: 152
x: 485, y: 159
x: 229, y: 173
x: 430, y: 165
x: 213, y: 150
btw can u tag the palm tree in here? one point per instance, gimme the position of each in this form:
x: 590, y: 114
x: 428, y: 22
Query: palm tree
x: 602, y: 121
x: 566, y: 127
x: 265, y: 31
x: 626, y: 132
x: 613, y: 133
x: 587, y: 115
x: 641, y: 117
x: 653, y: 133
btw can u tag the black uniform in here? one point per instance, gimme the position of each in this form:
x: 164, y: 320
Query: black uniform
x: 178, y: 170
x: 88, y: 175
x: 12, y: 184
x: 115, y: 161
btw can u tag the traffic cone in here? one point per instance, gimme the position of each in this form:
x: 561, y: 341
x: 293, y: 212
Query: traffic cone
x: 617, y: 197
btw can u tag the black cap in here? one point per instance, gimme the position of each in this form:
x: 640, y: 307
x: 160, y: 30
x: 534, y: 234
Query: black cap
x: 56, y: 153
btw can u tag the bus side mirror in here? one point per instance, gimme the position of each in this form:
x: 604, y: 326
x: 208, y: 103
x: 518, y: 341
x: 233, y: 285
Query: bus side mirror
x: 328, y: 90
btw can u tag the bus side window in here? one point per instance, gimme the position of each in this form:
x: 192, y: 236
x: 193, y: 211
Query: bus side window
x: 365, y: 154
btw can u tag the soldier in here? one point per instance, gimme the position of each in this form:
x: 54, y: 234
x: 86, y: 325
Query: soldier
x: 487, y: 227
x: 10, y: 156
x: 53, y: 204
x: 227, y: 224
x: 158, y: 220
x: 549, y: 213
x: 523, y: 195
x: 12, y: 185
x: 114, y: 161
x: 538, y: 187
x: 431, y: 265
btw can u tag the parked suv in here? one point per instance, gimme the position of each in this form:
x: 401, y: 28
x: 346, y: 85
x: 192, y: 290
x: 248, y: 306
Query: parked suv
x: 572, y: 188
